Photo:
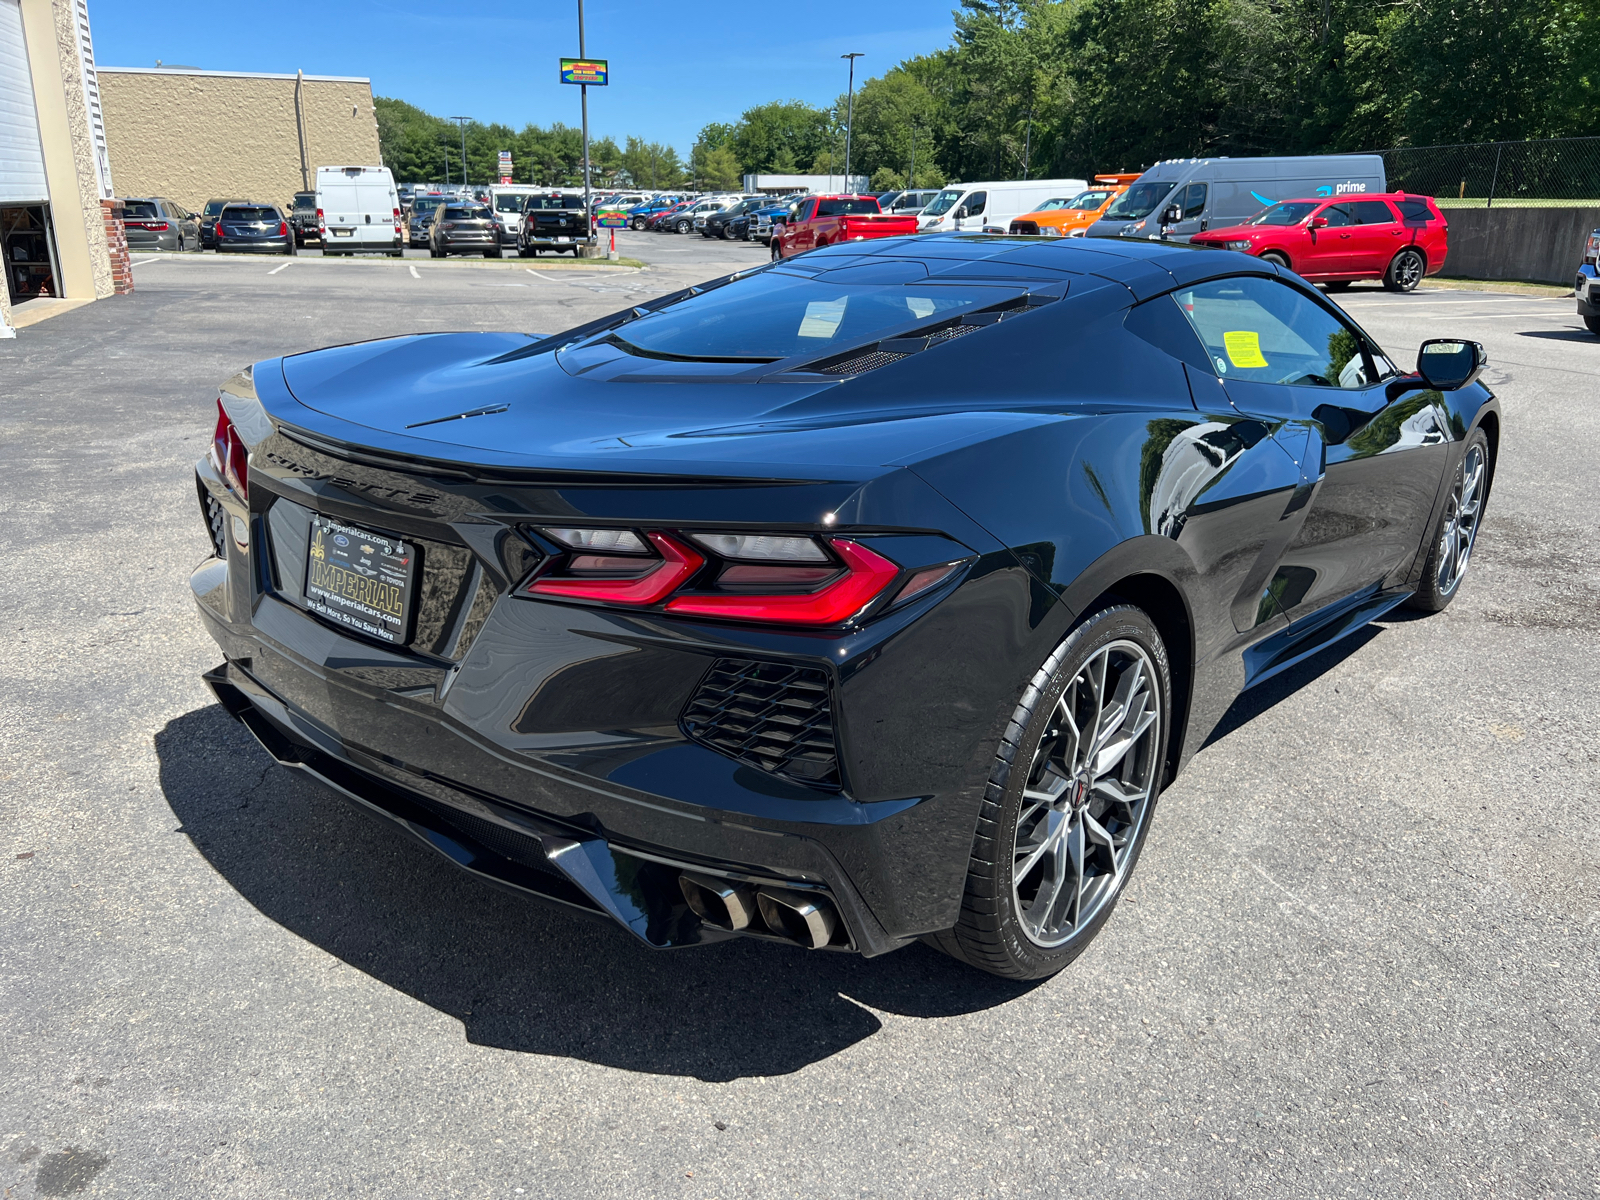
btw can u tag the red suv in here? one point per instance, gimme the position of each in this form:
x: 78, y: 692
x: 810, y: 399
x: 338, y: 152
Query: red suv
x: 1395, y: 237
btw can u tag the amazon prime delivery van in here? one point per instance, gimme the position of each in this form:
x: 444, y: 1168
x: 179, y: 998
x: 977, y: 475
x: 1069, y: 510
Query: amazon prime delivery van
x: 1210, y: 193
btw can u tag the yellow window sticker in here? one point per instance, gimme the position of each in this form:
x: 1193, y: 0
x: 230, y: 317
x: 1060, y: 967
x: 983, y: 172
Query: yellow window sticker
x: 1244, y: 348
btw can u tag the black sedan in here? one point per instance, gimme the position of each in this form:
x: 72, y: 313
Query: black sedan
x: 467, y: 227
x: 869, y: 596
x: 253, y: 229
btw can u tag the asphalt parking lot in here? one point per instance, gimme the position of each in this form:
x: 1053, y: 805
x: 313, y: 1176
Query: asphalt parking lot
x: 1361, y: 955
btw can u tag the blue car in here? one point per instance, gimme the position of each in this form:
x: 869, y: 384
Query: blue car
x: 1587, y: 288
x: 640, y: 214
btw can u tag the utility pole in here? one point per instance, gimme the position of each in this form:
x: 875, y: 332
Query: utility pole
x: 462, y: 121
x: 850, y: 115
x: 583, y: 94
x: 447, y: 168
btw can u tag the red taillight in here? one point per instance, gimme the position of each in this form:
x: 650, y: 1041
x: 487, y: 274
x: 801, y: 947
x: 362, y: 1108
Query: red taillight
x: 319, y: 214
x: 867, y: 576
x: 218, y: 231
x: 593, y: 577
x: 283, y: 229
x: 227, y: 455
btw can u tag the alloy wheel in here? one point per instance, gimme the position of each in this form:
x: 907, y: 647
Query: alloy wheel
x: 1088, y: 793
x: 1408, y: 272
x: 1461, y: 521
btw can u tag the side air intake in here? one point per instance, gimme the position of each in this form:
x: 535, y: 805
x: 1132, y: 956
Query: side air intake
x: 769, y: 715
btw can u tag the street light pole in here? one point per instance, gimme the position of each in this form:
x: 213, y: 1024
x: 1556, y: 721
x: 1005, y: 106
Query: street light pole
x: 583, y: 91
x: 911, y: 179
x: 850, y: 115
x: 462, y: 121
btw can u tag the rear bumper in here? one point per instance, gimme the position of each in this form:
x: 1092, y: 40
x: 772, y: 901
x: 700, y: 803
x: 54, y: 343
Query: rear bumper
x: 1587, y: 291
x: 276, y: 245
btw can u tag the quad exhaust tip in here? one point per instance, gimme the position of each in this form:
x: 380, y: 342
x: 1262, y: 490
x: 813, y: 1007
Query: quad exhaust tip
x: 798, y: 916
x: 719, y: 902
x: 736, y: 907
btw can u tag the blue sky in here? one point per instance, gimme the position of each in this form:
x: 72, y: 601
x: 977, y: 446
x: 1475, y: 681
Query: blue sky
x: 709, y: 63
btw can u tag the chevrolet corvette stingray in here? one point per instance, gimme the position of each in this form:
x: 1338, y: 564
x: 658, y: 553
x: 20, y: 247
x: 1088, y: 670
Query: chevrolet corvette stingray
x: 865, y: 596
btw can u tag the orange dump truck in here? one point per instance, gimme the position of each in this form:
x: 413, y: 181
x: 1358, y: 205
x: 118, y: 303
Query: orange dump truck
x: 1069, y: 216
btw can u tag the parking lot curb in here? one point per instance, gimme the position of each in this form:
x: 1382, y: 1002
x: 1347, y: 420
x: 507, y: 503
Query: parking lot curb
x: 511, y: 263
x: 1441, y: 283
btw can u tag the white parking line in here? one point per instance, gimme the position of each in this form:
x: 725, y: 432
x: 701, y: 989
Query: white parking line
x: 275, y: 270
x: 413, y: 269
x: 144, y: 262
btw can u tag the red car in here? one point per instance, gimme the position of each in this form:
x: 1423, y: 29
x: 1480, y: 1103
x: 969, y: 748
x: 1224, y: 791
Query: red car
x: 1395, y: 237
x: 818, y: 221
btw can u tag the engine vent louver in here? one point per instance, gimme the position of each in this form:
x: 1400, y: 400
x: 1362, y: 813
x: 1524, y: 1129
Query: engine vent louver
x: 954, y: 331
x: 869, y: 361
x: 769, y: 715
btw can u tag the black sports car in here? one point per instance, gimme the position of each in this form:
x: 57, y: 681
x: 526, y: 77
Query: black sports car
x: 866, y: 596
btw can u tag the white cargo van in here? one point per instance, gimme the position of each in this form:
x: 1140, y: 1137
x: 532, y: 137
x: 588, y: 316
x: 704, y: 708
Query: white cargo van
x: 358, y: 209
x: 508, y: 200
x: 979, y: 206
x: 1186, y: 196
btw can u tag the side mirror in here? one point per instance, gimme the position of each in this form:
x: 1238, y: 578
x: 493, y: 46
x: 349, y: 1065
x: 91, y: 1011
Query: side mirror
x: 961, y: 213
x: 1319, y: 222
x: 1446, y: 364
x: 1172, y: 213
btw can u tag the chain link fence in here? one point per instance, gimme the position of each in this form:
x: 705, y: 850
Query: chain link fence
x: 1548, y: 173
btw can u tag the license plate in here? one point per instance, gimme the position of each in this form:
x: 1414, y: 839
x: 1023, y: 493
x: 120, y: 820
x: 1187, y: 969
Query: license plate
x: 563, y: 239
x: 360, y: 579
x: 344, y: 233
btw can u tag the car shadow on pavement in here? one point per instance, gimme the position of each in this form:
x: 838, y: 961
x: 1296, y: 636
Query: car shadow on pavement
x: 517, y: 973
x: 1259, y: 699
x: 1558, y: 335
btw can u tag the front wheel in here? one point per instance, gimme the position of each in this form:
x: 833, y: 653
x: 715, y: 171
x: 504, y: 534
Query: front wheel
x: 1336, y: 285
x: 1069, y: 800
x: 1457, y: 530
x: 1272, y: 256
x: 637, y: 223
x: 1405, y: 271
x: 777, y: 249
x: 684, y: 226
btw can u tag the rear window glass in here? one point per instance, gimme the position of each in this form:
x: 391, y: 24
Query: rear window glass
x: 1414, y: 210
x: 305, y: 201
x: 1372, y: 212
x: 249, y: 212
x: 774, y: 314
x: 838, y: 208
x: 552, y: 202
x: 140, y: 210
x: 213, y: 207
x: 467, y: 212
x: 423, y: 205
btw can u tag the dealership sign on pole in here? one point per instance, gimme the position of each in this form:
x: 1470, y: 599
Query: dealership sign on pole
x: 505, y: 166
x: 589, y: 72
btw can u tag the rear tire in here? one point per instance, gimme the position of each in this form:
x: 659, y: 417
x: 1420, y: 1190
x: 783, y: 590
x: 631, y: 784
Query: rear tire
x: 1405, y: 270
x: 1456, y: 533
x: 777, y: 249
x: 1593, y: 324
x: 1060, y: 829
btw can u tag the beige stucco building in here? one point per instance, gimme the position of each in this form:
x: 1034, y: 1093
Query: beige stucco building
x: 60, y: 236
x: 192, y: 135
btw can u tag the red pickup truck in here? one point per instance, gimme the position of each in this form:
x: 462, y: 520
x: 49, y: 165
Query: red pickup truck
x: 819, y: 221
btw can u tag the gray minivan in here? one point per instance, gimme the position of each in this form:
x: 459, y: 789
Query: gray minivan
x: 1193, y: 194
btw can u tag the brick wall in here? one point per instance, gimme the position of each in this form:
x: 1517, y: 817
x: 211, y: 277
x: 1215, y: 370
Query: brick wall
x: 117, y: 246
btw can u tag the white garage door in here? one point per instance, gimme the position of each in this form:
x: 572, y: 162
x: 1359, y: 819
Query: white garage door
x: 21, y: 158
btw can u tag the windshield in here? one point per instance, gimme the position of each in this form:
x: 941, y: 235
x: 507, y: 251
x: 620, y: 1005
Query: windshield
x: 250, y: 212
x: 508, y: 202
x: 139, y: 210
x: 943, y: 202
x: 1138, y: 201
x: 1291, y: 212
x: 305, y: 201
x: 552, y: 202
x: 1093, y: 198
x: 773, y: 315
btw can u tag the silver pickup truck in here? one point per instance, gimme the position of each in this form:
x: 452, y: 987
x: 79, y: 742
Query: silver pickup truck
x: 1587, y: 288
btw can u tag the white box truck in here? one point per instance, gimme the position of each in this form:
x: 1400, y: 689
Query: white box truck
x: 358, y: 210
x: 976, y: 207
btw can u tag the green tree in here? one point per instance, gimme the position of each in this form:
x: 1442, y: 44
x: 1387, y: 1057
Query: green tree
x: 786, y: 129
x: 716, y: 168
